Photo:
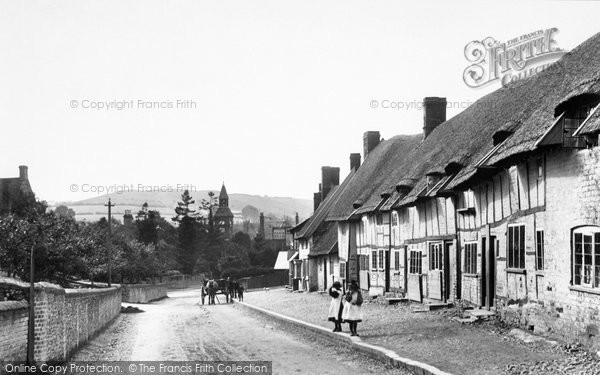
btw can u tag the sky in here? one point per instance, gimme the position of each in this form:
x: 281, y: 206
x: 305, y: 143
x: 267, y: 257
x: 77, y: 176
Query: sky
x: 97, y: 95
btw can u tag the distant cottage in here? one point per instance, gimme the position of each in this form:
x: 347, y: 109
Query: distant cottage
x: 498, y: 206
x: 15, y: 192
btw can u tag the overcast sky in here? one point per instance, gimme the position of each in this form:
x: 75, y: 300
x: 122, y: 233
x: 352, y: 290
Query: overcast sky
x: 280, y: 88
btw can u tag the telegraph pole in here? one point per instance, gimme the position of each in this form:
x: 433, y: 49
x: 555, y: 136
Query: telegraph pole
x: 109, y: 243
x: 31, y: 322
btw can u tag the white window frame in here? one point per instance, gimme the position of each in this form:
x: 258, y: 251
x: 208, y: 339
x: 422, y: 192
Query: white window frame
x: 508, y: 247
x: 438, y: 257
x: 594, y: 233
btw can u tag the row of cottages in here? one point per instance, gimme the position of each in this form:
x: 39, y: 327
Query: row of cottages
x: 498, y: 206
x: 316, y: 261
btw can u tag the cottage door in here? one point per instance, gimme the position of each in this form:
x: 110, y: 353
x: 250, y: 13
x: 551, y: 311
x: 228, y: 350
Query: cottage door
x: 491, y: 273
x: 449, y: 266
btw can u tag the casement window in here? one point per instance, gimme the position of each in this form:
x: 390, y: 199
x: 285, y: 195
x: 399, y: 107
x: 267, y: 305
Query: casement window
x: 379, y: 219
x: 586, y: 256
x: 539, y: 249
x: 394, y: 219
x: 435, y: 256
x: 342, y: 270
x: 397, y: 260
x: 415, y: 262
x: 381, y: 259
x: 373, y: 260
x: 470, y: 258
x: 516, y: 246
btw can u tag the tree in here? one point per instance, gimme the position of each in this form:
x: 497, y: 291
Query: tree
x: 188, y: 233
x: 64, y: 211
x: 57, y: 245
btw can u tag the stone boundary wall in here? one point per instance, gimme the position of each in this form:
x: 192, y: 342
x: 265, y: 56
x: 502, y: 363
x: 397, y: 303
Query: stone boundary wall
x: 14, y: 316
x: 67, y: 318
x: 143, y: 293
x: 64, y: 319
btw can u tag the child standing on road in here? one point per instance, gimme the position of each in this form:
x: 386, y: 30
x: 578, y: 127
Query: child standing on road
x: 336, y: 306
x: 352, y: 313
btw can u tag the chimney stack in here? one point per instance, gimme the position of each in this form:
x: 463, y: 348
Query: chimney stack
x: 434, y: 113
x: 261, y: 229
x: 23, y: 172
x: 354, y: 161
x: 370, y: 141
x: 297, y: 219
x: 316, y: 200
x: 128, y: 219
x: 330, y: 177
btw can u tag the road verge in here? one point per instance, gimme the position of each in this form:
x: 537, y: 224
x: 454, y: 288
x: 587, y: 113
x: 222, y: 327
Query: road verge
x: 376, y: 352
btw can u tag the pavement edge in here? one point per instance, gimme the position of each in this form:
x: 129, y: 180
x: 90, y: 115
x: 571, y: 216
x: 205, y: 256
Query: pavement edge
x: 376, y: 352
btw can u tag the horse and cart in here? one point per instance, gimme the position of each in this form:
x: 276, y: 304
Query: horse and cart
x: 216, y: 287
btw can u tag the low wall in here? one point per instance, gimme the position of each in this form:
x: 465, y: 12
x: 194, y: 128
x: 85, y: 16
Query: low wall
x: 67, y: 318
x: 143, y: 293
x: 186, y: 281
x: 14, y: 316
x: 64, y: 319
x: 277, y: 278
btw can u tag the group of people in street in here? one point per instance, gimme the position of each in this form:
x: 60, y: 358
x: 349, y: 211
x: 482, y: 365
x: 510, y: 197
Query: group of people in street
x: 230, y: 288
x: 345, y: 307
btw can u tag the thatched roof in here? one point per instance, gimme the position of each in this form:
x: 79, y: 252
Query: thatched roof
x: 318, y: 218
x: 523, y: 110
x: 491, y: 132
x: 591, y: 125
x: 326, y: 243
x: 372, y: 177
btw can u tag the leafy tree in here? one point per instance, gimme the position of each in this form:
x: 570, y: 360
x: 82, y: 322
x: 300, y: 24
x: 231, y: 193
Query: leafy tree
x: 64, y: 211
x: 188, y: 231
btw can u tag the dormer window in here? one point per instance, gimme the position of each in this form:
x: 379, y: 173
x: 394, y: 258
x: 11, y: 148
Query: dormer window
x: 569, y: 116
x: 432, y: 180
x: 572, y: 114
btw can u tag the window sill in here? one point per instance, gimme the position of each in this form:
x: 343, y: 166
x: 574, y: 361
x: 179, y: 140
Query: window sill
x: 516, y: 270
x: 471, y: 275
x: 584, y: 289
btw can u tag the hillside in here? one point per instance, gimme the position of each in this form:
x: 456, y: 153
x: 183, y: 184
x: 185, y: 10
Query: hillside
x: 93, y: 208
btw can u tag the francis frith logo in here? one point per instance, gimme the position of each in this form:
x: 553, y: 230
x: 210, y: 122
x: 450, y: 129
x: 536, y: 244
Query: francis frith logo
x: 506, y: 62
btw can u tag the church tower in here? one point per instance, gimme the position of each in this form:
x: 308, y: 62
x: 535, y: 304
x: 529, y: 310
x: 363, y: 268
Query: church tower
x: 224, y: 217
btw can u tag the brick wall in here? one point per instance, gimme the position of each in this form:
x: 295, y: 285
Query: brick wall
x: 551, y: 305
x: 67, y: 318
x: 143, y: 293
x: 14, y: 316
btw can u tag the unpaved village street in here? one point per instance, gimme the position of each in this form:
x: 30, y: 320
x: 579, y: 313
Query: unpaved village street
x: 180, y: 329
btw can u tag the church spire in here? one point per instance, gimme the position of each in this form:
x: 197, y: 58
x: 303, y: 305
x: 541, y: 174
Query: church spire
x: 223, y: 197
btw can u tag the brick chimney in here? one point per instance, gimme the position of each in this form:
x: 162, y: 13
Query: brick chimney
x: 316, y: 200
x: 370, y: 141
x: 330, y: 177
x: 434, y: 113
x: 261, y: 228
x: 354, y: 161
x: 297, y: 219
x: 128, y: 219
x: 23, y: 172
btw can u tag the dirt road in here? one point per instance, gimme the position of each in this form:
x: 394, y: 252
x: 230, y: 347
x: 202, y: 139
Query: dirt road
x: 179, y: 329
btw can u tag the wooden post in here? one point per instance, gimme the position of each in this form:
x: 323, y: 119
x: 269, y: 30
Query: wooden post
x: 31, y: 322
x: 109, y: 242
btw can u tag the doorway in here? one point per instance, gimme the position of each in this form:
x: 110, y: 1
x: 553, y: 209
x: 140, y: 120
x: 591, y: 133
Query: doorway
x: 488, y: 271
x: 449, y: 267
